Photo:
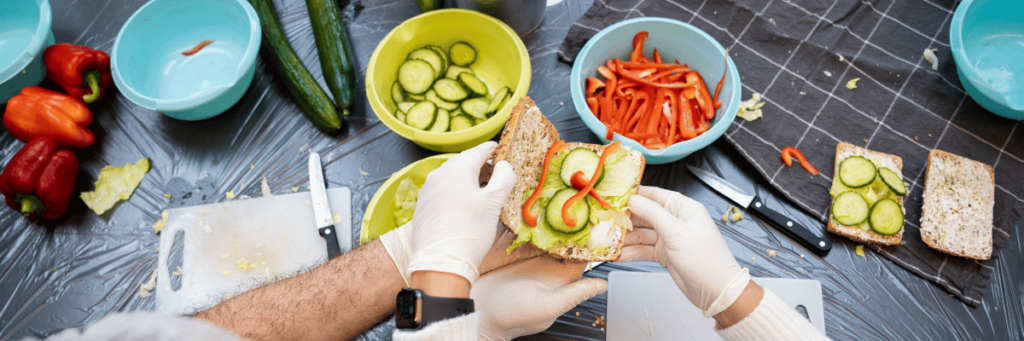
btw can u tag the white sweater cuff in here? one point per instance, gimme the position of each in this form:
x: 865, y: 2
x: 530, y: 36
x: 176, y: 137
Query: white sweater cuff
x: 773, y: 319
x: 462, y: 328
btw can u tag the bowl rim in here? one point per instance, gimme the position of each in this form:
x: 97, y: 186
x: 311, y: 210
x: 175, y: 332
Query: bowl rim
x: 247, y: 61
x: 448, y: 138
x: 374, y: 201
x: 727, y: 113
x: 35, y: 46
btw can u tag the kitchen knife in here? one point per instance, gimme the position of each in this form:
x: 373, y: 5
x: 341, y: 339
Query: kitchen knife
x: 321, y: 209
x: 755, y: 204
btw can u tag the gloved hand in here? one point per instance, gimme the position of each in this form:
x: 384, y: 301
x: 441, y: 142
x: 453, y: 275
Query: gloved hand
x: 456, y: 220
x: 527, y: 296
x: 686, y: 241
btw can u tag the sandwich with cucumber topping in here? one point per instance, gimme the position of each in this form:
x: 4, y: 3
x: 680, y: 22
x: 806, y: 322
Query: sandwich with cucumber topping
x: 571, y: 199
x: 867, y: 196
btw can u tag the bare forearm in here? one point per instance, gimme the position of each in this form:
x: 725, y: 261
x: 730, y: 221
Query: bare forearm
x: 338, y: 300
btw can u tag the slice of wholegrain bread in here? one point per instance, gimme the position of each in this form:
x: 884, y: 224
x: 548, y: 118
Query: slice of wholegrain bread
x: 524, y: 143
x: 893, y: 162
x: 959, y: 196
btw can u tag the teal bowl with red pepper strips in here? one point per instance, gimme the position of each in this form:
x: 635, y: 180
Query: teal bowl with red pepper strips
x: 24, y: 34
x: 152, y: 69
x: 674, y: 40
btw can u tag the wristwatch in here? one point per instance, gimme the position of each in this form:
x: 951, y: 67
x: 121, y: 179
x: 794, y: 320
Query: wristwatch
x: 415, y: 310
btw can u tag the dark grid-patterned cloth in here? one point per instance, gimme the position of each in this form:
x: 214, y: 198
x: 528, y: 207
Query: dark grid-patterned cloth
x: 800, y: 54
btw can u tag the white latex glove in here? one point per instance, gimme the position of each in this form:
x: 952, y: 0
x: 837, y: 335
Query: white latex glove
x: 527, y: 296
x: 686, y: 241
x: 456, y: 220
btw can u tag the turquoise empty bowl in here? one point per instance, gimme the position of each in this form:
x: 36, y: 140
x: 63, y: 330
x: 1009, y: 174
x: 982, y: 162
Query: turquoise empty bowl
x: 150, y: 70
x: 674, y: 40
x: 987, y: 41
x: 24, y: 34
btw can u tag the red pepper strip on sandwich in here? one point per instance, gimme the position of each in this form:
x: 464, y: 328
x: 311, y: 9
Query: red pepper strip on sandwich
x: 529, y: 216
x: 566, y: 217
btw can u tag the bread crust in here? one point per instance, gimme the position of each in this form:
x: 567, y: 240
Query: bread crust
x: 524, y: 144
x: 844, y: 150
x: 973, y: 237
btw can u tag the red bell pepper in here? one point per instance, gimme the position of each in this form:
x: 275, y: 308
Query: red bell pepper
x: 83, y: 72
x: 37, y: 112
x: 787, y: 157
x: 39, y: 180
x: 529, y: 216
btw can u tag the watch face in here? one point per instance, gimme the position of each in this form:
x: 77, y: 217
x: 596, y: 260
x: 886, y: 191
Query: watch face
x: 408, y: 309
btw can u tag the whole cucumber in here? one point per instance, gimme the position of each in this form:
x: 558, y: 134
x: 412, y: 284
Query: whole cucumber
x: 334, y: 49
x: 312, y: 100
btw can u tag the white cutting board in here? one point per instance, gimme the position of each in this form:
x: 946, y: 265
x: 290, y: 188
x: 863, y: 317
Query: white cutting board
x: 649, y: 306
x: 277, y: 233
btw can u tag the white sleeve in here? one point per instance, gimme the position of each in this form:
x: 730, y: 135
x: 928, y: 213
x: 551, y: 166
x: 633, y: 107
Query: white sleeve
x: 462, y: 328
x: 773, y: 319
x: 146, y: 326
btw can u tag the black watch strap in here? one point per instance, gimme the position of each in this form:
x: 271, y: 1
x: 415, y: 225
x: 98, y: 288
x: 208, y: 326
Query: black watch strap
x: 416, y: 310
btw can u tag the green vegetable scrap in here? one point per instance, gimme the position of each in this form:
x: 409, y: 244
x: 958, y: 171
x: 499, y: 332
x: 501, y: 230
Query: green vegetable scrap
x: 405, y: 201
x: 751, y: 109
x: 115, y: 184
x: 860, y: 251
x: 852, y: 84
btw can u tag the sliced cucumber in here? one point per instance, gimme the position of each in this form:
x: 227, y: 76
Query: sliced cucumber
x: 886, y: 217
x: 400, y: 116
x: 450, y: 90
x: 454, y: 71
x: 416, y: 98
x: 429, y: 56
x: 501, y: 104
x: 462, y: 54
x: 441, y: 123
x: 893, y: 181
x: 455, y: 112
x: 579, y: 210
x: 498, y: 97
x: 440, y: 102
x: 404, y: 106
x: 856, y: 171
x: 472, y: 84
x: 476, y: 107
x: 416, y: 76
x: 397, y: 94
x: 850, y: 208
x: 422, y: 115
x: 459, y: 123
x: 445, y: 64
x: 479, y: 121
x: 580, y: 160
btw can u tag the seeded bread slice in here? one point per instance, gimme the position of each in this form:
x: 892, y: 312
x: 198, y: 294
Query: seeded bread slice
x: 893, y: 162
x: 524, y: 143
x: 959, y: 196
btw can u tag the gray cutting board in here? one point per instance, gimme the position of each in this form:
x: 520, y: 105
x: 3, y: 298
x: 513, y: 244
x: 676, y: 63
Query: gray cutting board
x: 277, y: 233
x: 649, y: 306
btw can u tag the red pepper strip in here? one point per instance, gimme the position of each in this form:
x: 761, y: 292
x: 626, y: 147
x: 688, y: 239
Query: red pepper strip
x: 528, y: 216
x: 679, y: 71
x: 604, y: 110
x: 670, y: 122
x: 686, y: 124
x: 639, y: 136
x: 788, y: 151
x: 570, y: 220
x: 632, y: 124
x: 593, y: 84
x: 36, y: 112
x: 622, y: 86
x: 621, y: 120
x: 82, y: 72
x: 197, y: 48
x: 39, y: 180
x: 718, y: 88
x: 702, y: 95
x: 610, y: 81
x: 579, y: 183
x: 657, y: 57
x: 634, y: 77
x: 638, y: 46
x: 592, y: 103
x: 632, y: 65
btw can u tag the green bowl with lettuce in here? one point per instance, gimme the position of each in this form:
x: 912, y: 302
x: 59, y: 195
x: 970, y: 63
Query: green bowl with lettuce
x: 394, y: 201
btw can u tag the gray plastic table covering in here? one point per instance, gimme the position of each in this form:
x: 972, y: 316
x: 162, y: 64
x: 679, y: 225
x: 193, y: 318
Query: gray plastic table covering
x: 73, y: 272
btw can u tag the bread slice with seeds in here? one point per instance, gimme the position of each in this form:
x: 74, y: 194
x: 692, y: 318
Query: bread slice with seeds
x: 524, y: 143
x: 893, y: 162
x: 959, y: 196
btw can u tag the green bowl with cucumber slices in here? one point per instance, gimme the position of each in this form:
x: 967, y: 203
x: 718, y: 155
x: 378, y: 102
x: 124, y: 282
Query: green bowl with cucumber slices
x: 448, y: 79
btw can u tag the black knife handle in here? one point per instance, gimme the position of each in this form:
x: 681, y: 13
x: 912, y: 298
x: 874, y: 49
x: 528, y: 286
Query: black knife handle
x: 802, y: 235
x: 333, y: 250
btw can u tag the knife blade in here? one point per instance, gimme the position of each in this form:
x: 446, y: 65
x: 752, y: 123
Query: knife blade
x: 321, y: 208
x: 756, y: 205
